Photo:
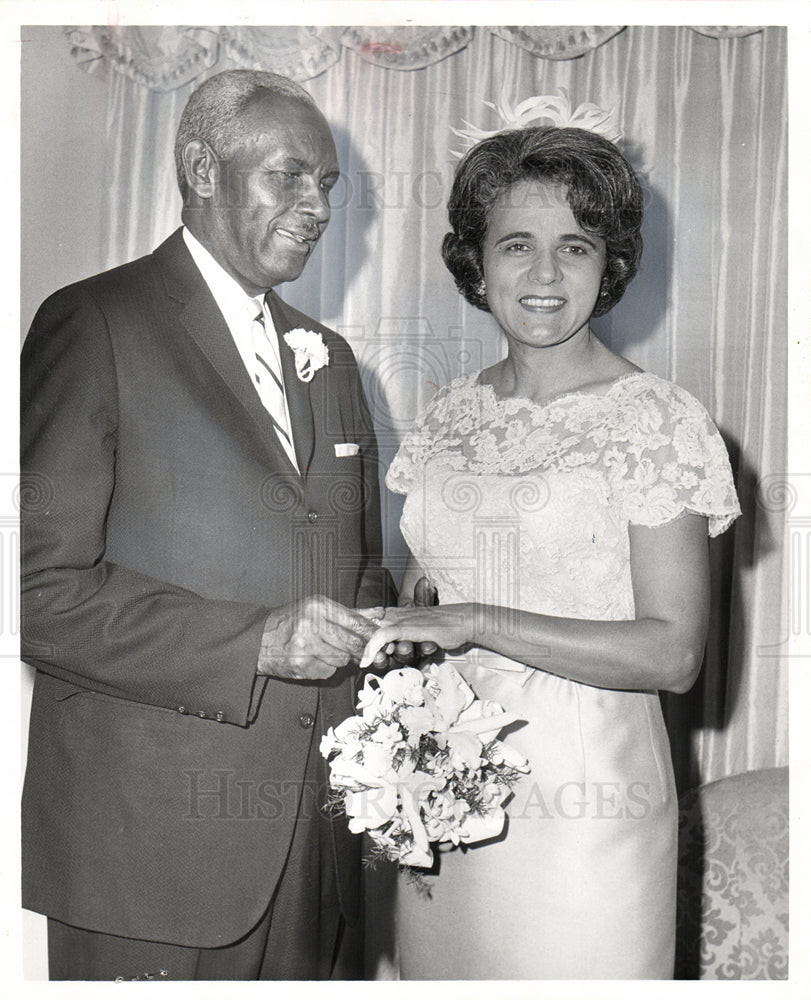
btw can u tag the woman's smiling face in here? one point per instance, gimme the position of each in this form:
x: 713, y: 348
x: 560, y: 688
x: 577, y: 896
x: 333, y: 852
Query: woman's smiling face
x: 542, y: 271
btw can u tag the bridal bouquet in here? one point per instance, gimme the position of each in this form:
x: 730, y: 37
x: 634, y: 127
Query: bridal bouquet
x: 420, y: 763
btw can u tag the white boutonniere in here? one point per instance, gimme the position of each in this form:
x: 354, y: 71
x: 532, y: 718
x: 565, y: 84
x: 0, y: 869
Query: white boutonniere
x: 310, y: 350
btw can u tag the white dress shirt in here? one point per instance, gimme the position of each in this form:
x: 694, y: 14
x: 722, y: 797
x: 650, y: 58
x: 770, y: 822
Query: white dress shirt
x: 239, y: 311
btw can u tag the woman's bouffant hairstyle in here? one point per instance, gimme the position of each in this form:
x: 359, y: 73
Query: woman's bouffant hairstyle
x: 603, y: 192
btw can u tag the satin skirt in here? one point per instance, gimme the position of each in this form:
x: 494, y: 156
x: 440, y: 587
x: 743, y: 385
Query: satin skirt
x: 581, y: 884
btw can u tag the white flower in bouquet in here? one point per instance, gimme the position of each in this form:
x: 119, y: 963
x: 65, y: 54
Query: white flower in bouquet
x: 420, y: 764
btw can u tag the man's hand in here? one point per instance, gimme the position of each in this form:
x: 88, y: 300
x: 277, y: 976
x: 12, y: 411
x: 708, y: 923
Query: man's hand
x: 312, y: 638
x: 425, y: 595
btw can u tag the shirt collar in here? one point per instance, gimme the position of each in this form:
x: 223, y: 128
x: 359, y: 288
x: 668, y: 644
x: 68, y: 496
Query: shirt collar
x: 234, y: 302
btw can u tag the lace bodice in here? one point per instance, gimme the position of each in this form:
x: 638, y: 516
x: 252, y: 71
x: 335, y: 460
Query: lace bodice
x: 528, y: 506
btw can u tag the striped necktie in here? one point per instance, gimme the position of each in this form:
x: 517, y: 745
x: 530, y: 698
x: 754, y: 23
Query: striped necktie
x: 270, y: 383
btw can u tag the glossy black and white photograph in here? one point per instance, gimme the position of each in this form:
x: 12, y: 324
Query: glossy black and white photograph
x: 411, y: 567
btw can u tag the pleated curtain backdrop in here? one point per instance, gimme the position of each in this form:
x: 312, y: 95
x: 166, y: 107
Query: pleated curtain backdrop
x: 704, y: 120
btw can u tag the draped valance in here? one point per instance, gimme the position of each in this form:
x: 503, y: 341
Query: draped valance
x: 163, y: 58
x: 703, y: 112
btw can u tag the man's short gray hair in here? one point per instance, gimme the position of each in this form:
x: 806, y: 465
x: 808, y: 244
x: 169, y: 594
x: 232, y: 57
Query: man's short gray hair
x: 213, y: 113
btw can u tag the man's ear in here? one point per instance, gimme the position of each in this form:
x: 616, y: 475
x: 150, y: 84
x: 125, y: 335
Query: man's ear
x: 201, y: 167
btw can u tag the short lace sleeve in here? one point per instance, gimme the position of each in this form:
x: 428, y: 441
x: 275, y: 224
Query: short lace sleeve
x: 669, y: 458
x: 426, y: 438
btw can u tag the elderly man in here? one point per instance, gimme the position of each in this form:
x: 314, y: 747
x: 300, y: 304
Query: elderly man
x: 211, y: 517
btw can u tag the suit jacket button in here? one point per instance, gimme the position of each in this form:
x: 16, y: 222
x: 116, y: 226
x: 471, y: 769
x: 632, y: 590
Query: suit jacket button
x: 305, y: 720
x: 219, y: 716
x: 312, y: 517
x: 182, y: 709
x: 201, y: 715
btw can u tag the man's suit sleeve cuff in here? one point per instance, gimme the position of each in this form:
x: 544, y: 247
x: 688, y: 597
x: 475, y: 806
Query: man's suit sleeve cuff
x: 258, y: 689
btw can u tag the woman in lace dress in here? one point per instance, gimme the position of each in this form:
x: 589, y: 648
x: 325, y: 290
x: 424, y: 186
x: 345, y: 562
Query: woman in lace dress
x: 560, y: 503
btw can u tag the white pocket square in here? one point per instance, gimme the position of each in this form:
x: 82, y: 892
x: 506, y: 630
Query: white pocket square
x: 346, y: 449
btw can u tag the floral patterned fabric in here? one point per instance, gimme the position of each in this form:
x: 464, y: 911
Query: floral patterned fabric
x: 653, y: 443
x: 733, y: 878
x: 526, y: 506
x: 569, y: 477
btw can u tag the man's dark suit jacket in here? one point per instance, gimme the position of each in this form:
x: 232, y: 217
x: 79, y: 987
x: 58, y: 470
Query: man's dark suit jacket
x: 161, y: 520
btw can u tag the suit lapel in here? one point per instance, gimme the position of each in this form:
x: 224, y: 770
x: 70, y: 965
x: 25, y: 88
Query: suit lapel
x: 204, y: 323
x: 298, y: 392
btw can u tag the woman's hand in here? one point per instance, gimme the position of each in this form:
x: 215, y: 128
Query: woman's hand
x: 448, y: 627
x: 405, y: 653
x: 660, y: 649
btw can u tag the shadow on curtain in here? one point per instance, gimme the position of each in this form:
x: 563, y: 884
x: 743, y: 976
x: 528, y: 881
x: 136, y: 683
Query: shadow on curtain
x: 704, y: 116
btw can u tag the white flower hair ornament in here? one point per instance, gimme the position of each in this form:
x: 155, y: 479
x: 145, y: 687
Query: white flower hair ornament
x: 555, y: 110
x: 311, y: 353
